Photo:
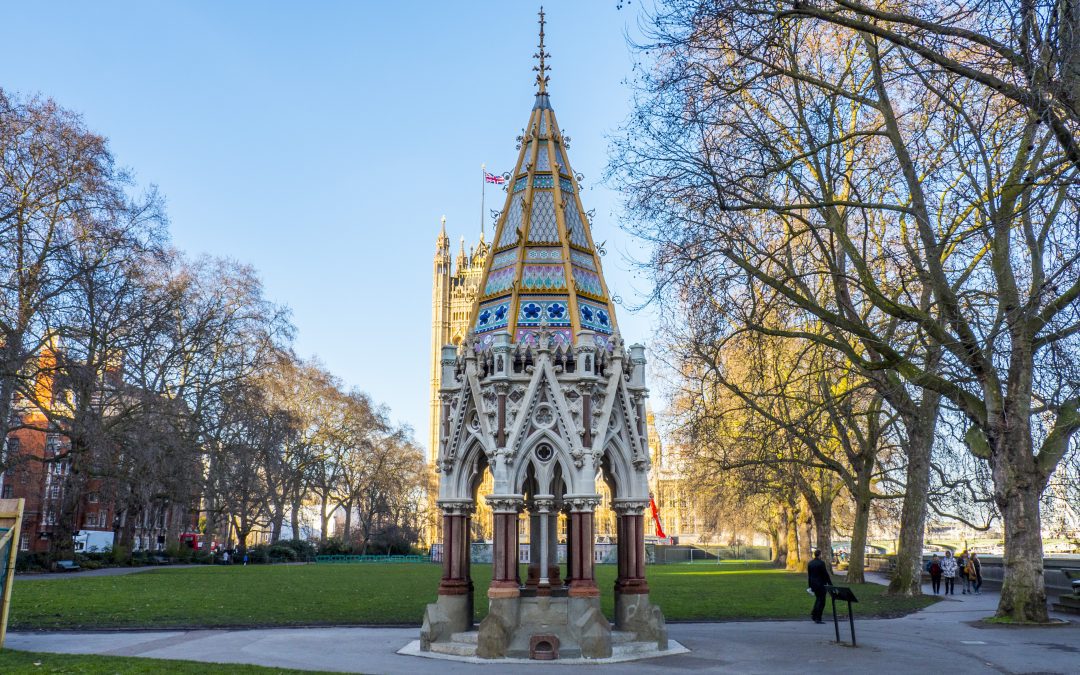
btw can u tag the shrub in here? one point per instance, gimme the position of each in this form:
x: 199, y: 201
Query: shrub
x: 120, y: 555
x: 279, y: 553
x: 304, y: 550
x: 257, y: 555
x: 334, y: 546
x: 31, y: 562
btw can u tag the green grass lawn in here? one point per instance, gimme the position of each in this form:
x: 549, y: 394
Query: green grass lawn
x: 284, y: 595
x: 80, y: 664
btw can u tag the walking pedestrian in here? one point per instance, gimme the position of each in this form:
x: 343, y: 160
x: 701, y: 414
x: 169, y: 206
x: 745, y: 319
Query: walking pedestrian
x: 245, y: 558
x: 949, y: 568
x: 934, y: 568
x: 976, y: 569
x: 817, y: 573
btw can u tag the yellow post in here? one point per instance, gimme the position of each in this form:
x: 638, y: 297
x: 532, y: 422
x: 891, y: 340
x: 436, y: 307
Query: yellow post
x: 11, y: 514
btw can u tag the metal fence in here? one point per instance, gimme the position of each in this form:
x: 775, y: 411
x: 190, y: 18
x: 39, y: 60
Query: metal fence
x: 372, y: 558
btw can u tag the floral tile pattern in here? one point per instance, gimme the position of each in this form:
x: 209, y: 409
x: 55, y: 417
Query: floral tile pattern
x: 499, y: 280
x: 543, y: 278
x: 536, y: 311
x: 560, y: 337
x: 582, y: 259
x: 493, y: 315
x: 595, y: 316
x: 587, y: 282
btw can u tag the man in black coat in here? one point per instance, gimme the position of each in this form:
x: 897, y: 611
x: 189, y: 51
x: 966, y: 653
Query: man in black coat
x: 817, y: 573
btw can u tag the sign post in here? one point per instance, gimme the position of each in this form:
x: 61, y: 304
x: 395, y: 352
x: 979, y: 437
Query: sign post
x: 842, y: 593
x: 11, y: 513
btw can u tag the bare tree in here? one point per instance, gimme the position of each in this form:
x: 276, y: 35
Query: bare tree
x: 924, y: 218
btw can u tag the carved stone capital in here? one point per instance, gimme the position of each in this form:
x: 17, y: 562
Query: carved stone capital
x: 583, y: 503
x: 506, y: 503
x: 456, y: 507
x: 543, y: 503
x: 629, y: 507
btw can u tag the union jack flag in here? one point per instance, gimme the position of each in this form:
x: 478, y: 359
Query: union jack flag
x: 492, y: 178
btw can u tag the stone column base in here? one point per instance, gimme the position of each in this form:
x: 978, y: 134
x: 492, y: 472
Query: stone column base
x: 590, y: 627
x: 634, y: 613
x: 449, y: 614
x: 497, y: 629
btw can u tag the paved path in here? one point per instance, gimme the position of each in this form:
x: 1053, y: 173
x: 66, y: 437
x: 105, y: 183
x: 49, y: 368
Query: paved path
x: 936, y: 639
x: 103, y: 572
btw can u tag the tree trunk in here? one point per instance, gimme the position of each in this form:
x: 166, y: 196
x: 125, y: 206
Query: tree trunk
x: 277, y: 523
x: 1017, y: 490
x: 324, y: 521
x: 856, y: 570
x: 907, y: 577
x: 806, y: 520
x: 791, y: 518
x: 782, y: 529
x: 294, y: 518
x: 348, y: 523
x: 822, y: 515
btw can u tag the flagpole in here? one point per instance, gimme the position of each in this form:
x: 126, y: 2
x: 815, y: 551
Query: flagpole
x: 483, y: 191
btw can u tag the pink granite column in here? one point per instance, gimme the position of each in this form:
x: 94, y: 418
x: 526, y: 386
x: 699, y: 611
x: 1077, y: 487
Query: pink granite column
x: 631, y: 533
x: 582, y: 556
x: 456, y: 519
x: 504, y: 582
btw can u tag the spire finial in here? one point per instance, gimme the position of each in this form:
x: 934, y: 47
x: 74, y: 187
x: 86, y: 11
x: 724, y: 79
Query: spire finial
x: 541, y: 69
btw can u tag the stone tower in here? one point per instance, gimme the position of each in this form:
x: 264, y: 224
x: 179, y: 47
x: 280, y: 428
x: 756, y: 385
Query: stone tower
x: 453, y: 292
x: 543, y: 394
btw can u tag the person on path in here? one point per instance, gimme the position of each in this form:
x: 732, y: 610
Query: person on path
x: 949, y: 568
x: 964, y: 572
x: 225, y: 557
x: 817, y: 573
x: 245, y: 558
x: 976, y: 572
x: 934, y: 569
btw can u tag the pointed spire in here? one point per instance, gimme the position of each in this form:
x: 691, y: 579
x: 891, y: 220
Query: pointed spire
x: 442, y: 243
x: 541, y: 68
x: 543, y: 272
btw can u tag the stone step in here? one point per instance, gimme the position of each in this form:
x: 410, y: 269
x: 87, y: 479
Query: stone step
x: 468, y: 637
x: 454, y: 648
x: 624, y: 649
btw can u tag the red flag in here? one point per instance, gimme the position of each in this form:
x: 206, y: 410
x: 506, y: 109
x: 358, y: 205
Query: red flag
x: 656, y: 519
x: 492, y: 178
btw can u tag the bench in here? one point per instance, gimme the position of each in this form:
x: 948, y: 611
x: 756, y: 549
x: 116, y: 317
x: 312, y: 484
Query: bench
x: 1070, y: 603
x: 67, y: 566
x: 1073, y: 575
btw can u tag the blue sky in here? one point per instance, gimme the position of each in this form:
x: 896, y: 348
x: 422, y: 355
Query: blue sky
x: 321, y: 142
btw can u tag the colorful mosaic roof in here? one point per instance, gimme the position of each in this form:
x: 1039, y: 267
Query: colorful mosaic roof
x: 543, y: 269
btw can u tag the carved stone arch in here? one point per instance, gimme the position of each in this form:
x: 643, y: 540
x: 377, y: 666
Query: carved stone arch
x: 470, y: 471
x: 616, y: 469
x: 544, y: 470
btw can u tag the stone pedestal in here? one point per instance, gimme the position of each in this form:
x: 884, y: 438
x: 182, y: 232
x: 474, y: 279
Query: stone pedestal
x: 449, y: 614
x: 511, y: 624
x: 634, y: 613
x: 452, y: 612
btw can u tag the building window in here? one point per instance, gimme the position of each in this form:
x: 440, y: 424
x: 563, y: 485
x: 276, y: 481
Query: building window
x: 92, y: 519
x: 6, y: 491
x: 24, y: 542
x: 49, y: 518
x: 54, y: 491
x: 93, y: 499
